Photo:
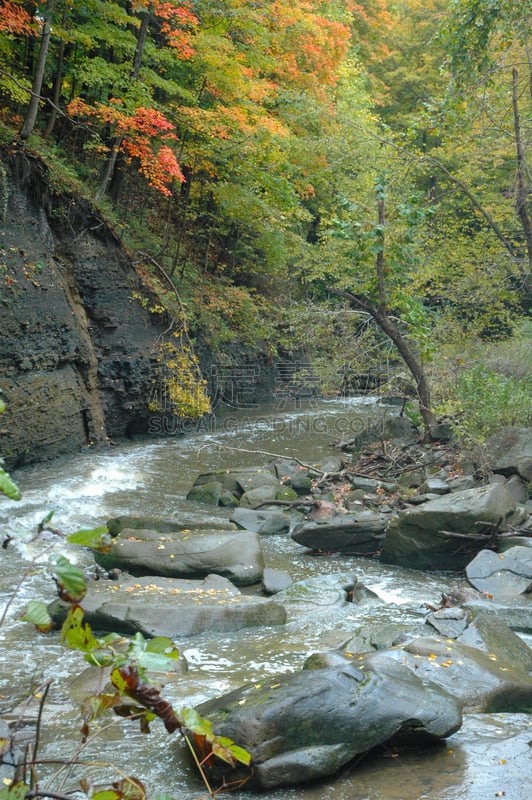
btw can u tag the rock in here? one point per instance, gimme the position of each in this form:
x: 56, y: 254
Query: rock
x: 275, y: 580
x: 163, y: 525
x: 411, y: 480
x: 208, y: 493
x: 502, y: 575
x: 449, y: 622
x: 169, y: 607
x: 324, y: 511
x: 479, y: 681
x: 264, y: 521
x: 418, y: 538
x: 301, y: 481
x: 517, y: 488
x: 461, y: 483
x: 514, y: 611
x: 514, y: 541
x: 184, y: 554
x: 262, y: 494
x: 308, y: 725
x: 255, y: 478
x: 490, y: 634
x: 328, y: 591
x: 371, y: 485
x: 509, y: 452
x: 434, y: 486
x: 331, y: 465
x: 361, y: 533
x: 380, y: 637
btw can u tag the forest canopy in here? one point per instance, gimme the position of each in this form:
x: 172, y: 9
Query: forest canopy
x: 280, y: 158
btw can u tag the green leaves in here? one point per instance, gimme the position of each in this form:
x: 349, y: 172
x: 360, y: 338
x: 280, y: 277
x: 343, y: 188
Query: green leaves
x: 8, y: 486
x: 158, y: 654
x: 77, y: 634
x: 96, y: 538
x: 16, y: 791
x: 69, y: 578
x: 206, y: 741
x: 37, y: 614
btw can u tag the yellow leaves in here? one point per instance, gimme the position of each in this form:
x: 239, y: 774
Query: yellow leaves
x: 179, y: 387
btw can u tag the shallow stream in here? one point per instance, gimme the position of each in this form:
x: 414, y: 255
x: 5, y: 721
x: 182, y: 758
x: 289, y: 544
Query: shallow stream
x: 488, y: 757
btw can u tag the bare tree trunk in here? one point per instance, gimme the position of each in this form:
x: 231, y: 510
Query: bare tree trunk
x: 38, y: 77
x: 405, y: 350
x: 521, y: 191
x: 387, y: 325
x: 117, y: 142
x: 57, y: 91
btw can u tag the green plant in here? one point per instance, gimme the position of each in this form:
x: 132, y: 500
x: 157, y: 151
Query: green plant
x: 491, y: 389
x: 129, y: 692
x: 7, y: 484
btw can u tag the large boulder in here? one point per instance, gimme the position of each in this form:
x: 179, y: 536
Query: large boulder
x: 186, y: 554
x: 354, y: 534
x: 480, y: 681
x: 423, y: 537
x: 308, y: 725
x: 171, y: 607
x: 163, y: 524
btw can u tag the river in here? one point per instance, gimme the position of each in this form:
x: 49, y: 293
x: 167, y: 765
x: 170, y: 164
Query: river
x: 486, y: 758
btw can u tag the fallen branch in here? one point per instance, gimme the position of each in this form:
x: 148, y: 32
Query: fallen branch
x: 288, y: 503
x: 274, y: 455
x: 480, y: 537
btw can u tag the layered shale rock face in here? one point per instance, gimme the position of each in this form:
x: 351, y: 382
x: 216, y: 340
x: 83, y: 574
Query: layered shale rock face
x: 77, y: 349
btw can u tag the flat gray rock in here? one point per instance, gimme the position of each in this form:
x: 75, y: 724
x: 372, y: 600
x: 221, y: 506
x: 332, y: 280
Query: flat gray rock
x: 361, y: 533
x: 236, y: 555
x: 502, y: 574
x: 158, y: 606
x: 264, y: 521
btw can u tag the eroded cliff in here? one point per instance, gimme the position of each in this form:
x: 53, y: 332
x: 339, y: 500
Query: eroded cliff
x: 77, y: 350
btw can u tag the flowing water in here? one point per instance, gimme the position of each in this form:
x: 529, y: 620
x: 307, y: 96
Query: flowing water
x: 485, y: 758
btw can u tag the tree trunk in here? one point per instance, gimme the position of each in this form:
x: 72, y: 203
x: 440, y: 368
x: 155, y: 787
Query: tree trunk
x: 33, y: 108
x: 521, y: 191
x: 406, y: 352
x: 110, y: 166
x: 414, y: 365
x: 58, y: 82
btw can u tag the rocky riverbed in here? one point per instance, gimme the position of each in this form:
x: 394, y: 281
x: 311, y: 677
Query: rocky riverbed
x: 458, y: 657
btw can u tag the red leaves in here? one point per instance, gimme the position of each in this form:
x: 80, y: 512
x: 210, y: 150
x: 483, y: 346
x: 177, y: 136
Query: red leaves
x: 14, y: 18
x: 141, y: 134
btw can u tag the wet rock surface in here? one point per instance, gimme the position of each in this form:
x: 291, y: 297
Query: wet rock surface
x: 188, y: 553
x: 306, y: 726
x: 158, y: 606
